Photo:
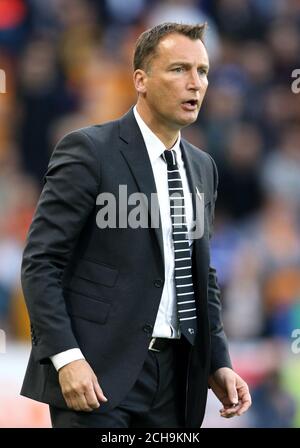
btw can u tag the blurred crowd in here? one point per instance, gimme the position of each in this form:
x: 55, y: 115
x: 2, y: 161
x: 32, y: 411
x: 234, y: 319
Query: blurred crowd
x: 68, y: 64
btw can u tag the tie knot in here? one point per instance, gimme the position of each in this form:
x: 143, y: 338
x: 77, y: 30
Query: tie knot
x: 170, y: 157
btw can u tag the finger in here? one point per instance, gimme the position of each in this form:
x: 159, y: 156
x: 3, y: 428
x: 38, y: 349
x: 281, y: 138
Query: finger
x: 230, y: 411
x: 229, y: 415
x: 245, y: 400
x: 98, y: 391
x: 69, y: 399
x: 72, y: 404
x: 80, y: 401
x: 225, y: 401
x: 244, y: 407
x: 91, y: 398
x: 232, y: 393
x: 231, y: 407
x: 69, y: 402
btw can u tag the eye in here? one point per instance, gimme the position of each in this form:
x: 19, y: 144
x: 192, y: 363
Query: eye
x: 203, y: 71
x: 178, y: 69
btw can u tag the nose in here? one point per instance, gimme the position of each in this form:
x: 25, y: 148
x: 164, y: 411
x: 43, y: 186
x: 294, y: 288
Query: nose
x: 194, y: 82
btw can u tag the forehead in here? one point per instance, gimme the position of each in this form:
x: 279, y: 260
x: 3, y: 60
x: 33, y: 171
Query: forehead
x: 175, y: 47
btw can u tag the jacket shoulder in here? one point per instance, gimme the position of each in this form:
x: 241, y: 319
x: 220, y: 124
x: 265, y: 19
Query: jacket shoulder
x: 95, y: 138
x: 95, y: 132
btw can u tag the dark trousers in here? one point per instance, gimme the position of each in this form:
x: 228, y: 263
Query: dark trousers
x: 157, y: 399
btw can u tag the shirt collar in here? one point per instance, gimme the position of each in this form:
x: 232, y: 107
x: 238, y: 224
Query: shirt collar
x: 154, y: 145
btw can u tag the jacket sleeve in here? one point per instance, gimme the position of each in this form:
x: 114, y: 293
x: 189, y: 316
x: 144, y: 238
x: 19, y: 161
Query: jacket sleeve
x: 219, y: 346
x: 67, y: 199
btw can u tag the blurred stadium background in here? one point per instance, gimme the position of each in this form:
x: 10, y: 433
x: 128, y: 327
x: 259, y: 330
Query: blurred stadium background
x: 68, y: 65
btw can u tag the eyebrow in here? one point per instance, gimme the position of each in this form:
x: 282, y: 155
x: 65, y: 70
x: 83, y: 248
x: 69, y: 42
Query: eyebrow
x: 187, y: 64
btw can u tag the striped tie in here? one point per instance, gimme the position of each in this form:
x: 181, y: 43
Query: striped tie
x: 186, y: 305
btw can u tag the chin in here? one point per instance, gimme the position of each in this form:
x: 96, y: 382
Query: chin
x: 183, y: 121
x: 188, y: 121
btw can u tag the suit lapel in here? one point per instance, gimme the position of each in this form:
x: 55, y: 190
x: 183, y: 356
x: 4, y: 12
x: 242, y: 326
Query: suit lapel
x: 136, y: 155
x: 194, y: 176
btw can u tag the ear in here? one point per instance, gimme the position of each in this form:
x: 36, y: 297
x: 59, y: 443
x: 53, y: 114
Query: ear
x: 140, y: 80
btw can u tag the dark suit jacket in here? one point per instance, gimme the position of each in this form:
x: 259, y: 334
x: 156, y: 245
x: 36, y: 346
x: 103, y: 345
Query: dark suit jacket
x: 100, y: 289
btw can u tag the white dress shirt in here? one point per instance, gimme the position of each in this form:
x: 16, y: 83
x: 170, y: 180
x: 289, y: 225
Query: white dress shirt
x: 166, y: 324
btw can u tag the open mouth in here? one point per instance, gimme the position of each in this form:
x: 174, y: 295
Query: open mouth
x: 190, y: 104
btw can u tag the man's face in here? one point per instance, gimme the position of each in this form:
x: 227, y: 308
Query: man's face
x: 176, y: 81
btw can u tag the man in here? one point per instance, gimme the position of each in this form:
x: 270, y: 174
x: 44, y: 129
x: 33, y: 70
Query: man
x: 116, y: 343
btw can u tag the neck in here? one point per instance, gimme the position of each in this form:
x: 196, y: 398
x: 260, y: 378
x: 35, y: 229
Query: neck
x: 166, y: 135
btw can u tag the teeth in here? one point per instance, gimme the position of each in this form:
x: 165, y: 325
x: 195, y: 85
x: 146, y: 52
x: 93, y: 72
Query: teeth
x: 191, y: 102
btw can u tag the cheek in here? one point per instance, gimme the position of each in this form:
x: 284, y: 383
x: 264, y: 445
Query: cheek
x: 205, y: 85
x: 165, y: 96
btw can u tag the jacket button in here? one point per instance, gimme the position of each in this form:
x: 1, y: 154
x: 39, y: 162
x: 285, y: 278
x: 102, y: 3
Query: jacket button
x: 148, y: 328
x: 158, y: 283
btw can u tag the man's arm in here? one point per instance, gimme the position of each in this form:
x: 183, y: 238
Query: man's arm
x: 227, y: 385
x: 68, y: 197
x: 219, y: 347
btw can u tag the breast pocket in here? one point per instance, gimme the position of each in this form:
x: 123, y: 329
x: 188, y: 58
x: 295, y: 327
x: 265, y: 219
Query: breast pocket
x: 96, y: 272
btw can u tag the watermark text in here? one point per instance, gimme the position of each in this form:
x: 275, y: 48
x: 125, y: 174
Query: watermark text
x: 295, y: 347
x: 137, y: 210
x: 2, y: 81
x: 296, y: 83
x: 2, y: 341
